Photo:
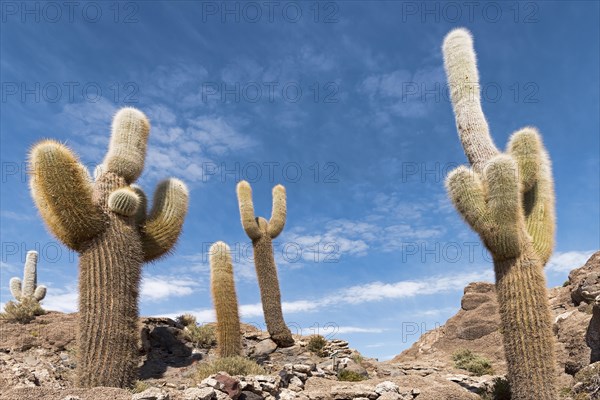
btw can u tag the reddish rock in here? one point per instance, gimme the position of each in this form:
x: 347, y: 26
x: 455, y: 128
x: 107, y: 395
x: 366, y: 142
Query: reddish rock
x: 231, y: 386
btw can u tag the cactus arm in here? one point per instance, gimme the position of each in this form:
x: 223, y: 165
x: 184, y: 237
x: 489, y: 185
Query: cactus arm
x: 225, y: 301
x: 63, y: 193
x: 127, y: 148
x: 539, y: 205
x: 39, y: 293
x: 278, y: 214
x: 15, y: 288
x: 30, y: 274
x: 249, y: 223
x: 535, y: 172
x: 466, y: 192
x: 463, y: 78
x: 124, y: 201
x: 504, y: 204
x: 141, y: 213
x: 526, y: 148
x: 165, y: 222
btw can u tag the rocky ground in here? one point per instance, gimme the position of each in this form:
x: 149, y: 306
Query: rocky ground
x: 37, y: 360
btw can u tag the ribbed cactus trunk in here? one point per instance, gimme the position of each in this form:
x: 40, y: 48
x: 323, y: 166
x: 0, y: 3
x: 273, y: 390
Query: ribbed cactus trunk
x: 109, y: 277
x: 526, y: 326
x: 229, y: 338
x: 270, y: 295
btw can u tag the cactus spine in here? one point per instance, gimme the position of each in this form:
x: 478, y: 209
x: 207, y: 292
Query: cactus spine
x: 262, y: 233
x: 106, y: 222
x: 28, y: 288
x: 508, y: 199
x: 229, y: 338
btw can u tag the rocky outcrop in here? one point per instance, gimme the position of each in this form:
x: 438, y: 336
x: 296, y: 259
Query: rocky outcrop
x: 37, y: 360
x: 475, y: 327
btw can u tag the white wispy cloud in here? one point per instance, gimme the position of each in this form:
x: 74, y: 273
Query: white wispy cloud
x: 377, y: 291
x: 357, y: 329
x: 376, y: 345
x: 327, y: 241
x: 218, y: 136
x: 568, y: 260
x: 189, y: 146
x: 316, y: 60
x: 163, y: 287
x: 4, y: 266
x: 62, y: 299
x: 181, y: 140
x: 435, y: 312
x: 389, y: 226
x: 154, y: 288
x: 87, y: 127
x: 403, y: 93
x: 17, y: 216
x: 365, y: 293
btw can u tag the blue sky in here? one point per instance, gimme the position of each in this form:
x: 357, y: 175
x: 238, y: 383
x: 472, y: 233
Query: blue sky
x: 344, y: 103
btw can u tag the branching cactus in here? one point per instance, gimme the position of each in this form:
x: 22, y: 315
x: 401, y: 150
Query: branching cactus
x: 508, y: 199
x: 262, y: 233
x: 229, y: 337
x: 28, y: 288
x: 107, y: 223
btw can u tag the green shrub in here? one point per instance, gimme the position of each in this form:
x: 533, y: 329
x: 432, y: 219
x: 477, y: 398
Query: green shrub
x: 186, y: 319
x: 357, y: 358
x: 350, y: 376
x: 139, y: 387
x: 476, y: 364
x: 202, y: 336
x: 22, y: 312
x: 316, y: 343
x: 232, y: 365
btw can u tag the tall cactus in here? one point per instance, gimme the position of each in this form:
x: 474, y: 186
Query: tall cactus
x: 262, y: 233
x: 107, y: 223
x: 28, y: 289
x: 229, y: 338
x: 508, y: 199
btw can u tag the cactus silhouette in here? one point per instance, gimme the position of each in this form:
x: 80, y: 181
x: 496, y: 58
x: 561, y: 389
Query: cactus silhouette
x: 28, y: 288
x: 107, y: 223
x: 262, y: 233
x: 229, y: 338
x: 508, y: 199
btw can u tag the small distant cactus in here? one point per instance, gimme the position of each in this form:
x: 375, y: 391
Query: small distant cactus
x: 508, y: 199
x: 229, y: 339
x: 106, y: 221
x: 262, y: 233
x: 28, y: 288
